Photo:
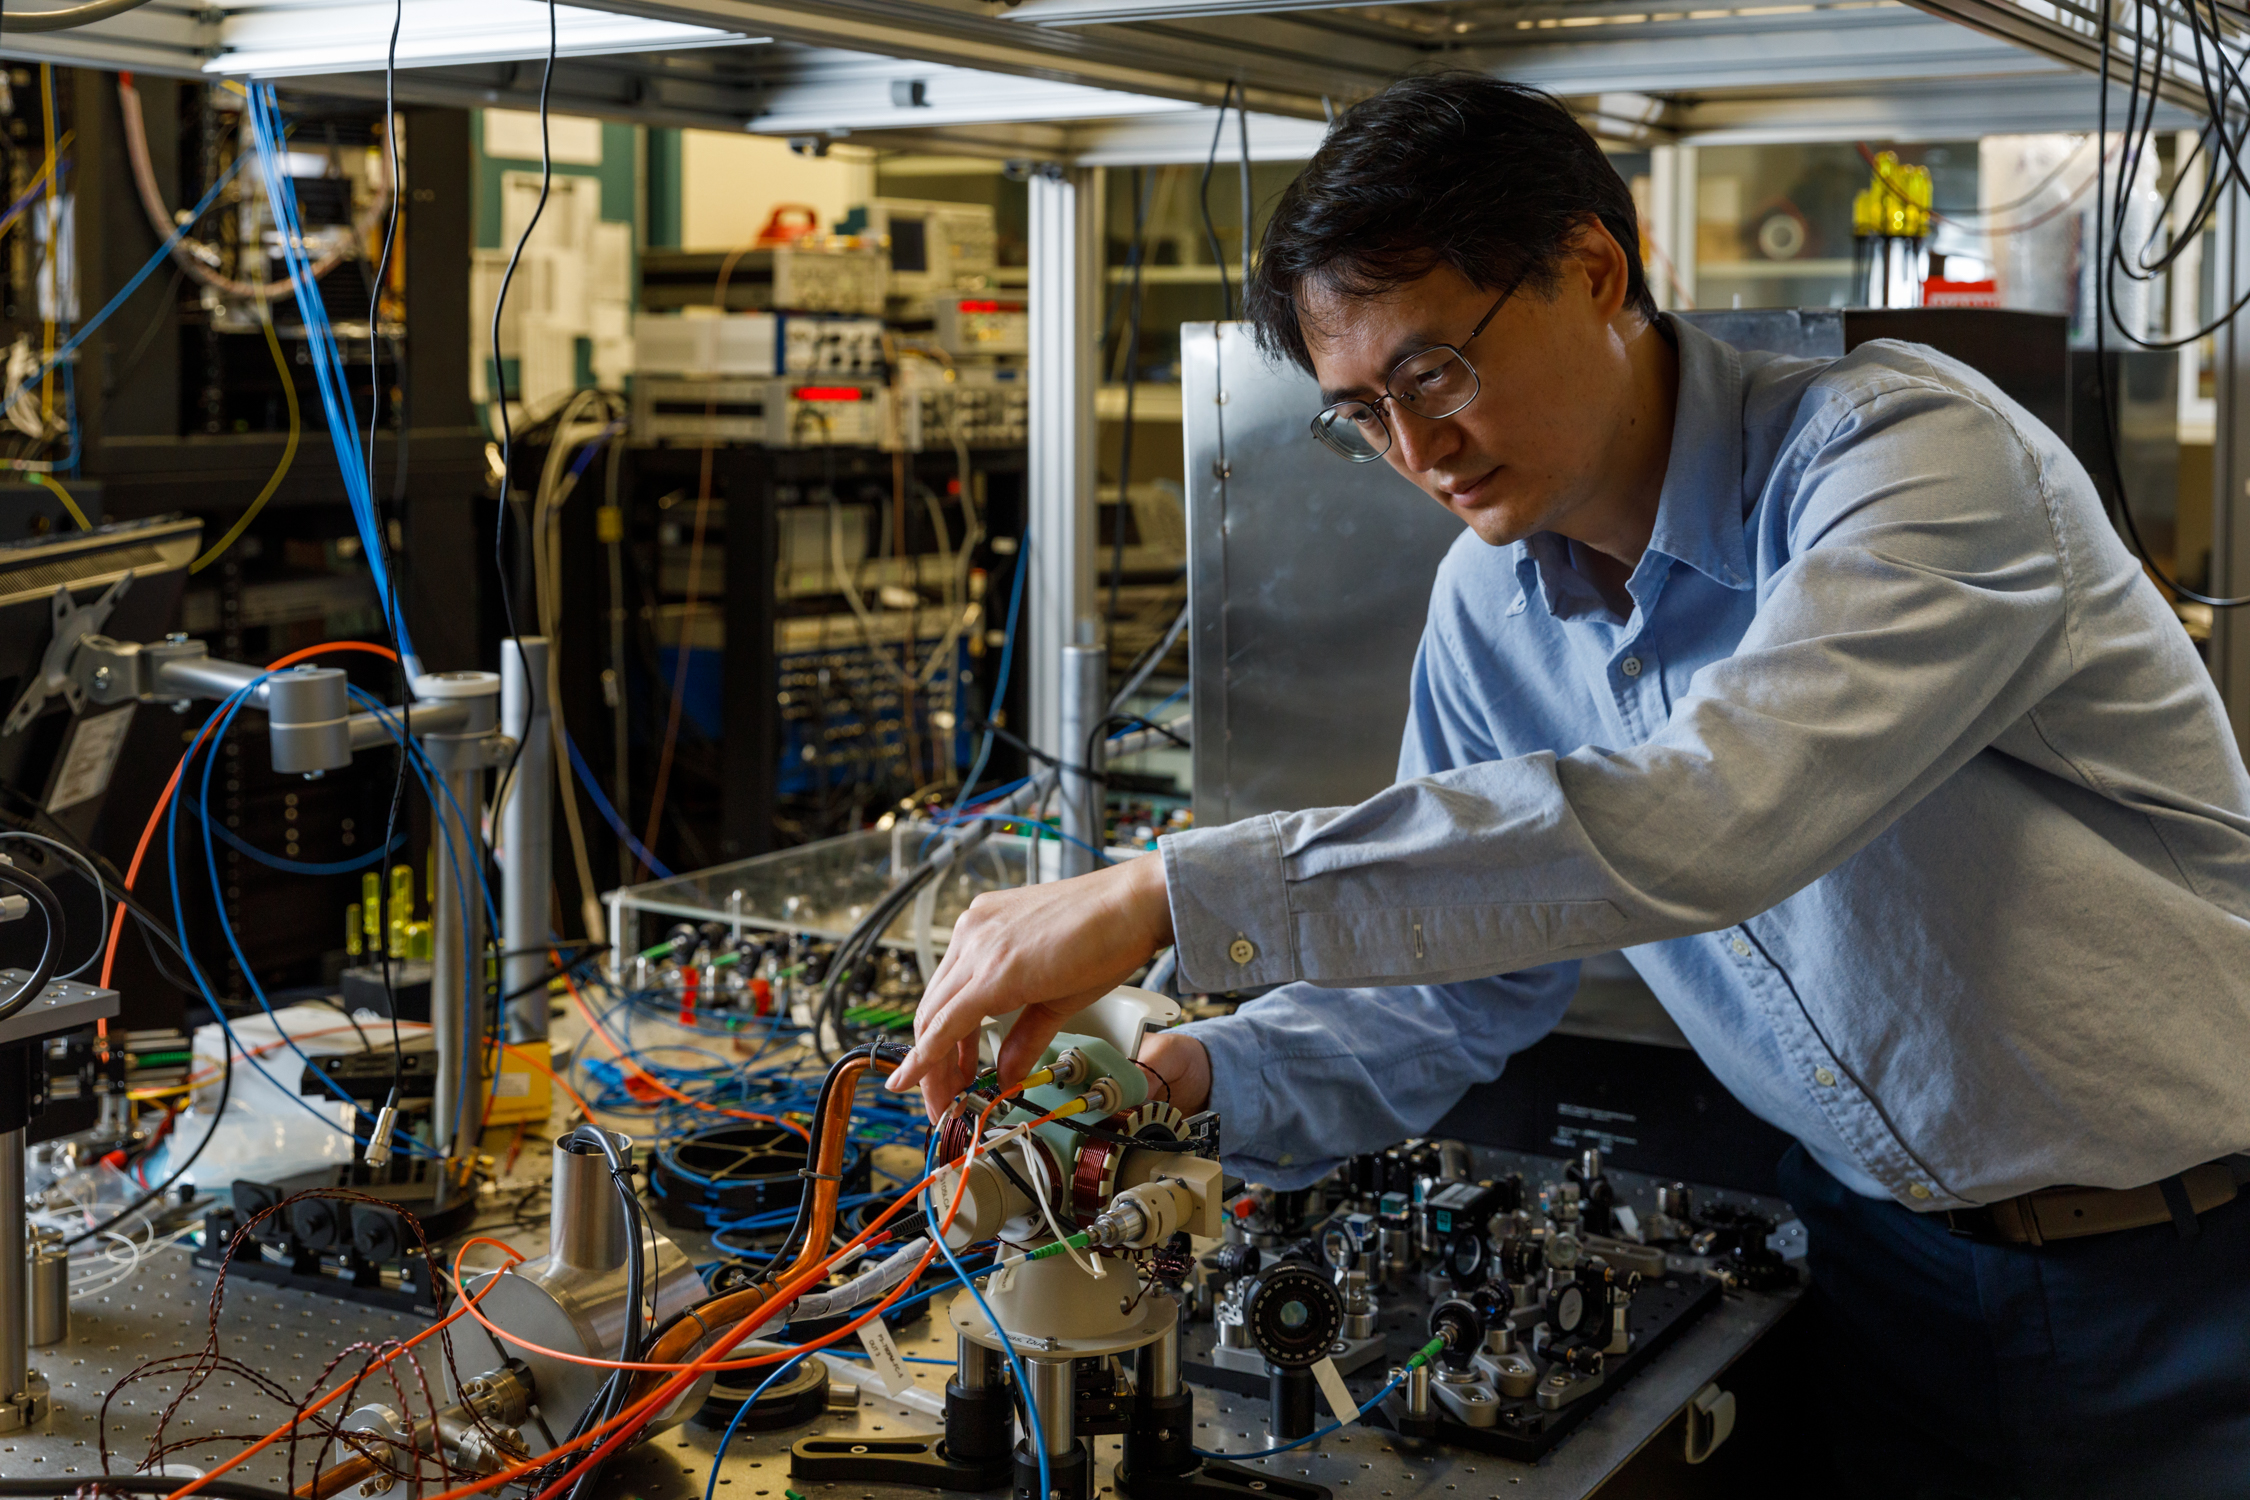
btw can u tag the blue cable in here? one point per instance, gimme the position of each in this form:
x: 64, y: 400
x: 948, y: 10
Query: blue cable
x: 1000, y: 682
x: 241, y: 845
x: 473, y: 965
x: 1037, y: 828
x: 1152, y: 713
x: 1310, y: 1437
x: 609, y: 813
x: 133, y: 283
x: 328, y: 368
x: 1008, y: 1348
x: 195, y: 970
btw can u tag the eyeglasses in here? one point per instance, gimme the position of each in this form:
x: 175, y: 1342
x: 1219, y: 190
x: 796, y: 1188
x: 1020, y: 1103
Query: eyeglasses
x: 1432, y: 383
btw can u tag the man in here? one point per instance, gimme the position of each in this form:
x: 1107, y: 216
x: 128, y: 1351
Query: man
x: 1825, y: 690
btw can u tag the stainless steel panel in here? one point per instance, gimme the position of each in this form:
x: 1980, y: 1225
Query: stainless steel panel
x: 1308, y: 582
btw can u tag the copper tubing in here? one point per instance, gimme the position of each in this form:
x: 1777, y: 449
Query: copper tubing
x: 676, y: 1345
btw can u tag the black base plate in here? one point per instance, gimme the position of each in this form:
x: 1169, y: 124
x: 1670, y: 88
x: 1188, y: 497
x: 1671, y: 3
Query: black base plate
x: 921, y: 1462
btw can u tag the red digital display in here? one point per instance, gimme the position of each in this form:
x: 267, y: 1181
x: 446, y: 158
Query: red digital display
x: 829, y: 393
x: 991, y: 307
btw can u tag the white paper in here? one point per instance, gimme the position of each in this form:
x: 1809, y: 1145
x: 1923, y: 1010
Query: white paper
x: 1331, y: 1382
x: 884, y: 1365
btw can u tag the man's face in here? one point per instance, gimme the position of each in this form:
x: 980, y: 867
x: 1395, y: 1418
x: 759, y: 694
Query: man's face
x: 1553, y: 377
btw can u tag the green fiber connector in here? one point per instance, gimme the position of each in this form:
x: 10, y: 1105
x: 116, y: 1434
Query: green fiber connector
x: 659, y: 951
x: 724, y: 959
x: 1426, y: 1353
x: 1060, y: 1247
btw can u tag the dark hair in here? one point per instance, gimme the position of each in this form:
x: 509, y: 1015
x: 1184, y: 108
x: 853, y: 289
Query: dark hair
x: 1449, y: 168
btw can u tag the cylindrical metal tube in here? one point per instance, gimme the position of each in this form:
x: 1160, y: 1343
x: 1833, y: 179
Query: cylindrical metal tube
x: 1418, y: 1391
x: 587, y: 1228
x: 15, y: 1310
x: 1054, y: 1390
x: 50, y: 1290
x: 308, y: 720
x: 457, y: 992
x: 976, y: 1367
x: 1085, y: 684
x: 526, y: 834
x: 1160, y: 1363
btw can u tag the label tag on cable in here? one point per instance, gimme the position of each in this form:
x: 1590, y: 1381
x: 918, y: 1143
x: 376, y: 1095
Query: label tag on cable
x: 884, y: 1365
x: 1331, y: 1383
x: 1004, y: 1273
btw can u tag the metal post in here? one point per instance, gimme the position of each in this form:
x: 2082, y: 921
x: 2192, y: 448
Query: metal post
x: 527, y: 845
x: 976, y: 1367
x: 1160, y: 1363
x: 1054, y: 1390
x: 458, y: 997
x: 1064, y: 303
x: 457, y: 1009
x: 15, y: 1290
x: 1085, y: 685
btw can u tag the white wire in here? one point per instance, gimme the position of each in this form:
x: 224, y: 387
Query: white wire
x: 1039, y: 1191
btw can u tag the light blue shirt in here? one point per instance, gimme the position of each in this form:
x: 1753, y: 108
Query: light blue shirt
x: 1901, y: 786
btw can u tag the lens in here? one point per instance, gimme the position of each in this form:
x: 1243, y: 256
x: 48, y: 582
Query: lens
x: 1435, y: 383
x: 1354, y: 429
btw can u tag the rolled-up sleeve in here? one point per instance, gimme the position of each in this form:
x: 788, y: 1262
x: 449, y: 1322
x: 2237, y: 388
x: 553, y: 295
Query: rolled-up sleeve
x: 1922, y: 610
x: 1305, y: 1076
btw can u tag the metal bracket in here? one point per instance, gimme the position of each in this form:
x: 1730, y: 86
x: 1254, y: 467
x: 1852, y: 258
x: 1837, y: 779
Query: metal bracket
x: 72, y: 624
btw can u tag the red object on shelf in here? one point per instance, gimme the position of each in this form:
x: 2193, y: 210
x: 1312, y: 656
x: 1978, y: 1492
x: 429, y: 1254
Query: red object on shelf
x: 1938, y: 292
x: 985, y: 306
x: 788, y: 223
x: 829, y: 393
x: 761, y: 996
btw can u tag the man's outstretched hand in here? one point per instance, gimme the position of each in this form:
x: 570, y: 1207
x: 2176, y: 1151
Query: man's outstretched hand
x: 1046, y: 950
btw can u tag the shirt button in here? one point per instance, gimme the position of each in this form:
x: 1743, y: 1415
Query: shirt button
x: 1242, y: 950
x: 1918, y: 1190
x: 1824, y: 1078
x: 1741, y: 948
x: 1630, y: 666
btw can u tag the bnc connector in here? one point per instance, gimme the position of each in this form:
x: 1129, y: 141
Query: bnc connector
x: 1124, y: 1222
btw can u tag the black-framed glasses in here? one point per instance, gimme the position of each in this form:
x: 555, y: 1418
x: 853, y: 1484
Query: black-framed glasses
x: 1431, y: 383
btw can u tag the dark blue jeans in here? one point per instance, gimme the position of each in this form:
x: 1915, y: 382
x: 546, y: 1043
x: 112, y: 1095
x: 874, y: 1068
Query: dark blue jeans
x: 2115, y: 1366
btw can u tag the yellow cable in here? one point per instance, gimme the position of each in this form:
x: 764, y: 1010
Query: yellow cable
x: 288, y: 454
x: 51, y: 482
x: 54, y: 262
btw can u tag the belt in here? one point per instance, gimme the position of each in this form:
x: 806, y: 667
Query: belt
x: 2070, y: 1213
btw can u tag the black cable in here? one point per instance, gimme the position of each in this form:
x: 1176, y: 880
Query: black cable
x: 507, y: 776
x: 1203, y: 196
x: 374, y: 415
x: 2127, y: 168
x: 218, y: 1112
x: 1138, y: 257
x: 614, y: 1389
x: 58, y: 934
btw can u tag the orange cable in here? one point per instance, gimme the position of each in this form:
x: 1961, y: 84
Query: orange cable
x: 192, y: 1485
x: 140, y: 851
x: 659, y: 1084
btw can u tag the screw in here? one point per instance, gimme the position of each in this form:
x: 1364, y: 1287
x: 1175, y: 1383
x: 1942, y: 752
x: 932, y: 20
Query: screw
x: 101, y: 678
x: 314, y: 775
x: 175, y: 637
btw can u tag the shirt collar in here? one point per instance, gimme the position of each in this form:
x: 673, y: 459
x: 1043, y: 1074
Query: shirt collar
x: 1699, y: 511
